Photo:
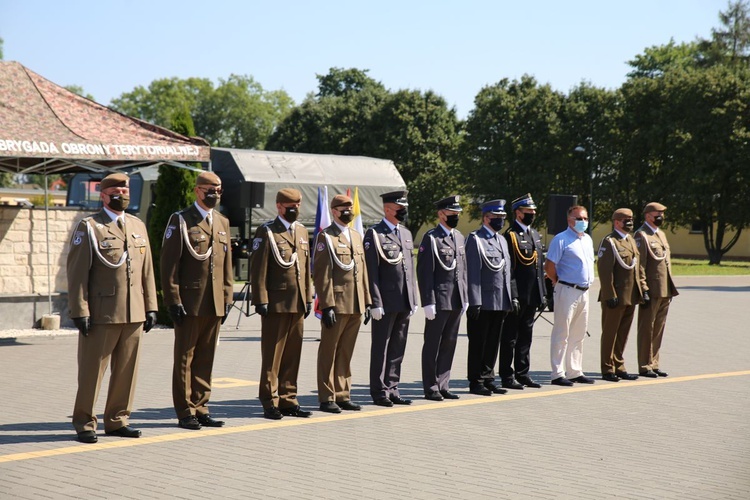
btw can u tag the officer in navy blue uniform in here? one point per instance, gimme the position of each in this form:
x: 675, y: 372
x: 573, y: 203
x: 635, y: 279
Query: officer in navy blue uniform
x: 492, y: 295
x: 441, y: 270
x: 527, y: 265
x: 389, y: 248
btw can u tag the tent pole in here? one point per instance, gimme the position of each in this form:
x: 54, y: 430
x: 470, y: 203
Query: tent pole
x: 46, y: 231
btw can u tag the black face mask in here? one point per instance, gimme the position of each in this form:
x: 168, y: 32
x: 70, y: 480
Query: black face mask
x: 658, y: 220
x: 451, y: 221
x: 211, y: 199
x: 401, y: 214
x: 528, y: 219
x: 119, y: 202
x: 497, y: 224
x: 291, y: 213
x: 627, y: 226
x: 346, y: 216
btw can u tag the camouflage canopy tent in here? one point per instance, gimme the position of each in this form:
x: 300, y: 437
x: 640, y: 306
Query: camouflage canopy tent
x: 46, y: 129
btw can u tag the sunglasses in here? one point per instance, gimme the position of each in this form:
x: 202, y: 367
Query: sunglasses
x: 212, y: 190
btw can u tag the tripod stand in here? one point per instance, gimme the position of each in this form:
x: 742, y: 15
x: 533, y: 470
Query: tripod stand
x: 243, y: 297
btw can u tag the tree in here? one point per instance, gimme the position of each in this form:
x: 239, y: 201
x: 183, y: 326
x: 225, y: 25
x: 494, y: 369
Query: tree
x: 173, y: 192
x: 512, y: 143
x: 729, y: 45
x: 238, y: 113
x: 353, y: 114
x: 77, y: 89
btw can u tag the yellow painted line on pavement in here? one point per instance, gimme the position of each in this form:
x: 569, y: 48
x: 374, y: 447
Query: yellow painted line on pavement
x: 367, y: 413
x: 226, y: 382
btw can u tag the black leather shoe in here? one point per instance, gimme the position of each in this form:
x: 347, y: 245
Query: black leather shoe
x: 480, y: 390
x: 496, y: 389
x: 190, y: 423
x: 272, y: 413
x: 295, y: 411
x: 208, y: 421
x: 434, y: 396
x: 648, y: 373
x: 562, y: 381
x: 330, y: 407
x: 383, y: 402
x: 583, y: 379
x: 398, y: 400
x: 511, y: 384
x: 660, y: 373
x: 610, y: 377
x: 125, y: 431
x: 528, y: 382
x: 627, y: 376
x: 448, y: 394
x: 349, y: 406
x: 87, y: 437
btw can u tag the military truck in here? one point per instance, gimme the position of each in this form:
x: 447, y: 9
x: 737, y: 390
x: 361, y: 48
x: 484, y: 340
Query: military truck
x: 251, y: 178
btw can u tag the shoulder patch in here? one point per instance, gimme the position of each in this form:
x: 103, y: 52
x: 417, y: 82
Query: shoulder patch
x: 77, y: 237
x: 168, y: 233
x: 367, y: 245
x: 256, y: 243
x: 602, y: 249
x: 421, y: 248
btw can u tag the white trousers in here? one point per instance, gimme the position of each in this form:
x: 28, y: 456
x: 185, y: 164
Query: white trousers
x: 568, y: 332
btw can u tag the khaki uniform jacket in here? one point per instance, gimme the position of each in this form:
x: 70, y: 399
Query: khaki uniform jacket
x: 203, y: 291
x: 627, y: 285
x: 106, y: 294
x: 348, y: 292
x: 281, y: 288
x: 657, y: 266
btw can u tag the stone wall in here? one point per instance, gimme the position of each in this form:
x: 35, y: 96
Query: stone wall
x: 24, y: 251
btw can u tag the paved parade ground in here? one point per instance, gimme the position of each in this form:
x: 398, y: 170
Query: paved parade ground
x: 681, y: 437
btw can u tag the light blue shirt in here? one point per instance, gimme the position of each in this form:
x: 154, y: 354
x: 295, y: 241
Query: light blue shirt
x: 573, y: 257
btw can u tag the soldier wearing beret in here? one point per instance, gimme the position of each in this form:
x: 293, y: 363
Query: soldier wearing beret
x: 340, y: 278
x: 112, y: 300
x: 197, y: 279
x: 390, y: 269
x: 623, y: 285
x: 441, y: 270
x: 491, y: 295
x: 527, y: 266
x: 654, y: 254
x: 282, y: 295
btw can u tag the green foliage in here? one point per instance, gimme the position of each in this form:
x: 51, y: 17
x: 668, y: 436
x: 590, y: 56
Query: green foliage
x: 352, y: 114
x: 174, y: 191
x: 238, y: 113
x: 512, y: 143
x: 729, y: 45
x: 1, y: 48
x: 6, y: 179
x: 656, y: 60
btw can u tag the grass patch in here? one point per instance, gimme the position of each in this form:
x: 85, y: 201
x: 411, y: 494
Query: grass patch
x: 700, y: 267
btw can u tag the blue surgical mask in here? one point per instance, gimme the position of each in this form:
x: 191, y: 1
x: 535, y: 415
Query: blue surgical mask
x: 581, y: 226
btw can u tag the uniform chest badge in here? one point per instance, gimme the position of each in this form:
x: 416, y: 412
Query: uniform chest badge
x: 99, y: 225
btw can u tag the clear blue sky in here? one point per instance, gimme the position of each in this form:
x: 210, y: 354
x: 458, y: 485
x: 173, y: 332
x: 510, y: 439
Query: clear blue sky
x: 452, y: 47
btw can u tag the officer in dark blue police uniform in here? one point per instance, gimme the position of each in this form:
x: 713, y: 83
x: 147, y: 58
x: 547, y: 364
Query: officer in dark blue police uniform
x: 441, y: 270
x: 390, y: 269
x: 527, y: 265
x: 492, y: 295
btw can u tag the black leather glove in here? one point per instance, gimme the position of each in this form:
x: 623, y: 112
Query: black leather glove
x: 227, y: 308
x: 329, y: 317
x: 613, y: 302
x: 308, y: 309
x: 646, y: 299
x: 368, y: 316
x: 262, y: 310
x: 516, y: 306
x: 543, y: 305
x: 83, y: 324
x: 473, y: 312
x: 150, y: 321
x: 177, y: 312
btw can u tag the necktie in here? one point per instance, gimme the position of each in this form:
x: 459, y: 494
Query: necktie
x: 395, y: 232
